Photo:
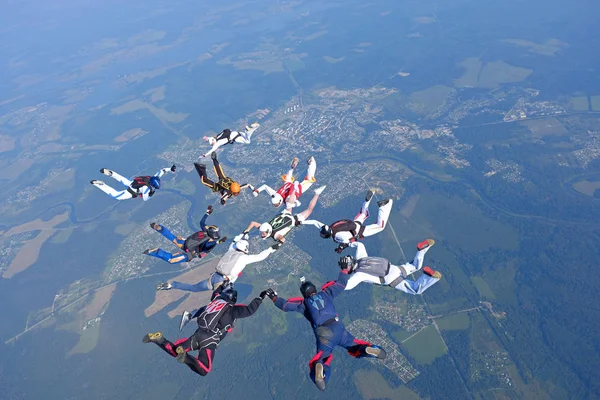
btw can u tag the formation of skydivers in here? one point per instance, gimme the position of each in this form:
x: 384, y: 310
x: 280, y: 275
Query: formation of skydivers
x: 217, y: 318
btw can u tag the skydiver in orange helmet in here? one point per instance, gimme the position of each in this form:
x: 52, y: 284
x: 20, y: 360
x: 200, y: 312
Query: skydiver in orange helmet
x: 226, y: 186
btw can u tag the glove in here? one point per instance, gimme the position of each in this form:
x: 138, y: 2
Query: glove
x: 276, y: 246
x: 270, y: 293
x: 151, y: 193
x: 223, y: 239
x: 223, y: 201
x: 173, y: 168
x: 245, y: 232
x: 209, y: 210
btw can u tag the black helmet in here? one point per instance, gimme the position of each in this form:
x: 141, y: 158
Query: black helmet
x: 307, y: 289
x: 325, y: 232
x: 229, y: 294
x: 213, y: 232
x: 346, y: 262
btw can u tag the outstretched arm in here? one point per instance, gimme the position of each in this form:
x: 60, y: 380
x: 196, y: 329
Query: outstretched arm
x: 252, y: 225
x: 333, y: 288
x: 291, y: 304
x: 313, y: 222
x: 203, y: 221
x: 242, y: 311
x: 269, y: 190
x: 361, y: 252
x: 162, y: 171
x: 254, y: 258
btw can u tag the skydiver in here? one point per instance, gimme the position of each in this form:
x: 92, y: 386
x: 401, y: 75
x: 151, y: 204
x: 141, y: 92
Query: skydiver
x: 215, y: 320
x: 319, y: 310
x: 227, y: 136
x: 380, y: 271
x: 229, y: 268
x: 291, y: 190
x: 284, y: 222
x: 145, y: 186
x: 346, y: 231
x: 198, y: 244
x: 226, y: 186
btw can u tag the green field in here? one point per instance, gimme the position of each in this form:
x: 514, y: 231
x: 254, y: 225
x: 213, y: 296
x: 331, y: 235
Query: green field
x: 580, y: 103
x: 400, y: 335
x: 498, y: 72
x: 372, y: 385
x: 456, y: 322
x: 595, y: 100
x: 429, y: 100
x: 87, y: 340
x: 425, y: 346
x: 472, y: 66
x: 483, y: 288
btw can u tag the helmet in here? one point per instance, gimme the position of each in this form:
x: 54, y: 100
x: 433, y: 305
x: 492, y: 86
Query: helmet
x: 266, y: 228
x: 346, y: 262
x: 234, y: 188
x: 155, y: 182
x: 242, y: 245
x: 325, y: 232
x: 307, y: 289
x: 213, y: 232
x: 276, y: 199
x: 229, y: 294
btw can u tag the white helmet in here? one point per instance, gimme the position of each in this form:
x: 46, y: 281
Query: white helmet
x: 266, y: 228
x: 242, y: 245
x: 276, y: 199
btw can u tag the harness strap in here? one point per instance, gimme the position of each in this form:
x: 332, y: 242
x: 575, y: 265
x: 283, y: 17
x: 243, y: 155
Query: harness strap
x: 396, y: 281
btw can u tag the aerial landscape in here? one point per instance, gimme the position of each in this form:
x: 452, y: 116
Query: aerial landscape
x: 480, y: 122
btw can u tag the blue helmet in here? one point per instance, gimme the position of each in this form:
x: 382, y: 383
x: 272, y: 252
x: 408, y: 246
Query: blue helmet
x: 155, y: 182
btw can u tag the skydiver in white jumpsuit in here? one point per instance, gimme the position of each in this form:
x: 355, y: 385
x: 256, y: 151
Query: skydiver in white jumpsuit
x: 346, y: 231
x: 380, y: 271
x: 227, y: 136
x: 229, y: 268
x: 289, y: 194
x: 140, y: 185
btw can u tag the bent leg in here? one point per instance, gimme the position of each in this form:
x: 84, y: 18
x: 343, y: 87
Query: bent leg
x: 177, y: 240
x: 382, y: 218
x: 418, y: 260
x: 175, y: 258
x: 120, y: 178
x: 363, y: 214
x: 359, y: 277
x: 201, y: 286
x: 115, y: 194
x: 311, y: 206
x: 218, y: 169
x: 417, y: 287
x: 206, y: 181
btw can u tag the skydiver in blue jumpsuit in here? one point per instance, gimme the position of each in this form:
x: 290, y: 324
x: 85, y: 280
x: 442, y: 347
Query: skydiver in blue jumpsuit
x: 319, y: 310
x: 198, y: 244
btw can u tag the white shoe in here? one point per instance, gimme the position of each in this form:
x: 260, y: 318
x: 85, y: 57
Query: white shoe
x: 106, y: 172
x: 320, y: 189
x: 310, y: 160
x: 97, y: 183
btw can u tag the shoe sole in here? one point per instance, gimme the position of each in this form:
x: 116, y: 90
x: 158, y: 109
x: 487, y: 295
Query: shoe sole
x: 180, y: 354
x: 369, y: 195
x: 152, y: 337
x: 375, y: 352
x: 425, y: 244
x: 320, y: 377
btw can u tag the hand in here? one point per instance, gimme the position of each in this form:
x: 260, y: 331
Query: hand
x: 223, y: 239
x: 223, y: 201
x: 151, y: 193
x: 173, y: 168
x: 209, y: 210
x: 255, y: 192
x: 270, y: 293
x: 339, y: 249
x: 276, y: 246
